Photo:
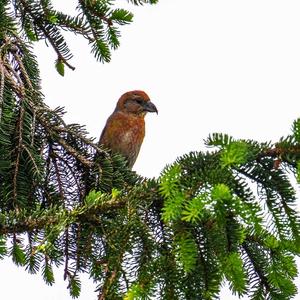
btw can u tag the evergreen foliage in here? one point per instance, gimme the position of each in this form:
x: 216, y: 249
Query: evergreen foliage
x: 228, y: 214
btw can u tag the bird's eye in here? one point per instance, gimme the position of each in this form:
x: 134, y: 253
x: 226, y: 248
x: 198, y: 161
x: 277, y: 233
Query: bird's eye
x: 139, y: 101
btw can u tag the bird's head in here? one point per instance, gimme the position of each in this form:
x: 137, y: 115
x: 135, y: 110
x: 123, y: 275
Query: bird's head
x: 136, y: 103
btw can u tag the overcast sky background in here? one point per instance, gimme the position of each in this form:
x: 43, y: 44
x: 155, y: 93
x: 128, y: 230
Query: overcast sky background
x: 209, y: 66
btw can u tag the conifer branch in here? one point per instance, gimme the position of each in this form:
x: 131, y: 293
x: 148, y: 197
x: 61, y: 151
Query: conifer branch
x: 23, y: 222
x: 38, y: 21
x: 279, y: 151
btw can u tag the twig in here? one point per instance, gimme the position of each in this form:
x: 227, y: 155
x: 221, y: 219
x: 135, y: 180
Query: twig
x: 66, y: 270
x: 23, y: 70
x: 1, y: 86
x: 279, y: 151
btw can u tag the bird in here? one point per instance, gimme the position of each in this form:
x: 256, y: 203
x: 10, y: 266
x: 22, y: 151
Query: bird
x: 124, y: 131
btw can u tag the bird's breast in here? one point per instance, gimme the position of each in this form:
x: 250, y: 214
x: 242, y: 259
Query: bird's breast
x: 124, y: 134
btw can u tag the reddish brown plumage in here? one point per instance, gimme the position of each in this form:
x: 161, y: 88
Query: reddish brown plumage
x: 125, y: 128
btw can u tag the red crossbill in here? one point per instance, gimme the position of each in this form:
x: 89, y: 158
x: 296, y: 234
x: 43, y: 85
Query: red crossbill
x: 125, y: 128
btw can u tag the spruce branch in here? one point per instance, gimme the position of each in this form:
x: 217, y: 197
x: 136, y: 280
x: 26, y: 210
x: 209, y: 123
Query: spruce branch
x: 279, y: 151
x: 40, y: 22
x: 1, y: 85
x: 23, y: 221
x: 263, y: 279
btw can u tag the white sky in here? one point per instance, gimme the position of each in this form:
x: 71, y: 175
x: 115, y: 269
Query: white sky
x: 209, y: 66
